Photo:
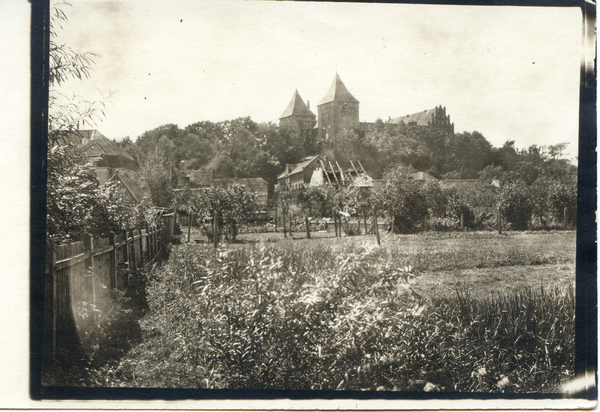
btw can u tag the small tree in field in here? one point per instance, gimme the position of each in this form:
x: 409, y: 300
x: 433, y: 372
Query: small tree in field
x: 403, y: 199
x: 516, y: 206
x: 232, y: 204
x: 284, y: 197
x: 314, y: 203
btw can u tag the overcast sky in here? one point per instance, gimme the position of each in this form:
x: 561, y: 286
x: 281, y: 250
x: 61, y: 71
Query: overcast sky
x: 511, y: 73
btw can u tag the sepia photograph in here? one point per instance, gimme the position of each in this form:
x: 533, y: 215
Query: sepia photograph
x: 312, y: 199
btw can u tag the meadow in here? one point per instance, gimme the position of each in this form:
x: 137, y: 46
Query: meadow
x: 469, y: 312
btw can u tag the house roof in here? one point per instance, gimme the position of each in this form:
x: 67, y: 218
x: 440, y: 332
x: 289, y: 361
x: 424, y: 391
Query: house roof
x: 292, y: 169
x: 338, y: 93
x: 255, y: 184
x: 80, y: 137
x: 94, y: 144
x: 132, y: 187
x: 421, y: 118
x: 297, y: 107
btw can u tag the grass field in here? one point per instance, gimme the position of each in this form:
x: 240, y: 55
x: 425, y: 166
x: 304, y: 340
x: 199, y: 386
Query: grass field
x: 485, y: 262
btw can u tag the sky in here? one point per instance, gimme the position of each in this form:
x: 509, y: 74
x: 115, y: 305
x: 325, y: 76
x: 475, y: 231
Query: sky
x: 510, y: 73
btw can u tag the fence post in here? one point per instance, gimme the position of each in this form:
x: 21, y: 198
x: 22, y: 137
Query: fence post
x: 141, y: 231
x: 113, y: 261
x: 126, y: 257
x: 462, y: 220
x: 133, y: 258
x: 499, y: 220
x: 88, y: 244
x: 565, y: 218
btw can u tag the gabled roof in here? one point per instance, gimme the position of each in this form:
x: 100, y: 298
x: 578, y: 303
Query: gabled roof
x: 94, y: 144
x: 80, y: 137
x: 132, y: 188
x: 297, y: 107
x: 423, y: 118
x: 292, y: 169
x: 338, y: 93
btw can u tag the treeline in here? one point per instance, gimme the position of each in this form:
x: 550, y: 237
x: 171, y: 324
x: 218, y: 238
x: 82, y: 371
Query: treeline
x: 244, y: 148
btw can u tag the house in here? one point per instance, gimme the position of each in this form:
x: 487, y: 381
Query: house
x: 326, y: 174
x: 298, y: 175
x: 128, y: 191
x: 198, y: 179
x: 103, y: 155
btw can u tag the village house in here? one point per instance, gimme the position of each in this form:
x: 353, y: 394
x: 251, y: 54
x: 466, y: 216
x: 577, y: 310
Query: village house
x: 110, y: 162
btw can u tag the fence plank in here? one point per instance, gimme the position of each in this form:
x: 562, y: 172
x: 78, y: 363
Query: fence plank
x: 112, y: 261
x: 88, y: 244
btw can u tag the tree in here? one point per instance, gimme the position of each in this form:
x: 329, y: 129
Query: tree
x: 230, y: 204
x: 516, y: 206
x: 402, y: 199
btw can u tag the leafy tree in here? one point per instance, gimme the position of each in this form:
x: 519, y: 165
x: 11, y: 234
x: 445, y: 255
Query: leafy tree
x: 563, y: 197
x: 232, y: 204
x: 402, y: 199
x: 516, y: 206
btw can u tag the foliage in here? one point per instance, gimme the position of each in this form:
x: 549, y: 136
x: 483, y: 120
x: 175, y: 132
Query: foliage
x: 76, y: 204
x: 403, y: 198
x: 232, y: 204
x: 319, y: 318
x: 457, y: 209
x: 516, y: 206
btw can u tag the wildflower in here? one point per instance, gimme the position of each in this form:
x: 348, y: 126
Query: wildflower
x: 504, y: 382
x: 479, y: 373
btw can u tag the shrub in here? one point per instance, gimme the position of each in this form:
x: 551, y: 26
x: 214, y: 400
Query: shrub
x: 516, y: 207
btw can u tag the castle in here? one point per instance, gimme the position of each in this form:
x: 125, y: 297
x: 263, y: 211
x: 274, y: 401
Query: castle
x: 339, y: 111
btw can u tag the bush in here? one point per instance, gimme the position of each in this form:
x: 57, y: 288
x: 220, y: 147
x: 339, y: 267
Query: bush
x: 456, y: 207
x: 516, y: 207
x: 485, y: 221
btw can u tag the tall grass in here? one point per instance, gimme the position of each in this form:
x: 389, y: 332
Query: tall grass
x: 334, y: 317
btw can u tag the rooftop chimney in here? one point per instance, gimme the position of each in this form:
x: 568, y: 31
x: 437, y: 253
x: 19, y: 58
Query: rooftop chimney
x: 308, y: 104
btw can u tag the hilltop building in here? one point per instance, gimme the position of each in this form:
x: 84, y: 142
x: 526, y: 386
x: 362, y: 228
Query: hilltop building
x: 338, y: 111
x: 298, y: 114
x: 436, y: 118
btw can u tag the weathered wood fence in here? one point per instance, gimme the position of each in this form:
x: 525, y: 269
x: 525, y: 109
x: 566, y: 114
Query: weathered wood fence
x: 84, y: 279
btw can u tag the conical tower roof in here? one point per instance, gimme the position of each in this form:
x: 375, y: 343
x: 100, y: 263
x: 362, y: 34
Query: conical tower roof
x: 338, y: 93
x: 297, y: 107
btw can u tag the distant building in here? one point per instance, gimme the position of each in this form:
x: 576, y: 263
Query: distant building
x: 128, y: 191
x: 298, y: 175
x: 103, y: 155
x: 110, y: 162
x: 298, y: 114
x: 198, y: 179
x: 338, y: 111
x: 435, y: 118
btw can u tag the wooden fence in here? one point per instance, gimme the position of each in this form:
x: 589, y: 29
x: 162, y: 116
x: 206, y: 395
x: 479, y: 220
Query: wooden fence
x: 83, y: 279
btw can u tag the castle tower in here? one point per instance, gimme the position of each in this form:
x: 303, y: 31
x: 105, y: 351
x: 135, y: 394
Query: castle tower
x: 337, y: 111
x: 297, y: 114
